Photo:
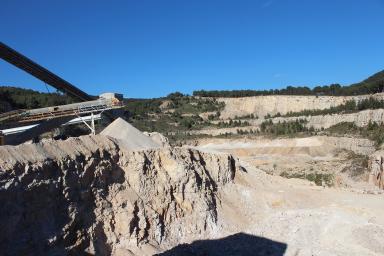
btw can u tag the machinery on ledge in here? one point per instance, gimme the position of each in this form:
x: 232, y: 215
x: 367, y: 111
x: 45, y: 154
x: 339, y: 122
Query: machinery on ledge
x: 28, y: 124
x: 21, y: 125
x: 106, y: 101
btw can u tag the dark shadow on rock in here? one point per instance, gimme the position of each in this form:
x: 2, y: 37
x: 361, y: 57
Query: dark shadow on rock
x: 40, y: 215
x: 239, y: 244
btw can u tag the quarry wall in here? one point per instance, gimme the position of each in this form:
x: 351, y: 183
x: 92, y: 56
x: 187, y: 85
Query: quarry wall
x: 360, y: 119
x: 273, y: 104
x: 89, y: 195
x: 376, y: 167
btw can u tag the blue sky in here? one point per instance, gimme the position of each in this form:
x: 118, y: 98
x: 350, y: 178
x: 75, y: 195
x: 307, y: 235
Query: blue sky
x: 149, y: 48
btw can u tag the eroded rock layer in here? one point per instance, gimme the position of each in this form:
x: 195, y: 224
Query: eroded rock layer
x: 273, y: 104
x: 376, y: 166
x: 88, y: 195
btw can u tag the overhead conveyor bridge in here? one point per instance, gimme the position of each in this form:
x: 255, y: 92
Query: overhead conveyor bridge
x: 17, y: 59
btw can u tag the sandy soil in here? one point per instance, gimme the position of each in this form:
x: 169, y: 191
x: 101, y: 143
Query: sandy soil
x: 310, y: 220
x: 318, y: 154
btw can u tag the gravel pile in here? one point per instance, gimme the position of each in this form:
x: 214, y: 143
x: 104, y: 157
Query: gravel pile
x: 128, y: 136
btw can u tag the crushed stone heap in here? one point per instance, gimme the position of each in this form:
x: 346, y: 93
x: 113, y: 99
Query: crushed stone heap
x: 158, y: 138
x: 128, y: 136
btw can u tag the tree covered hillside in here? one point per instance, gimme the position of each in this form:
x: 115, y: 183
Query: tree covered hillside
x: 371, y: 85
x: 18, y: 98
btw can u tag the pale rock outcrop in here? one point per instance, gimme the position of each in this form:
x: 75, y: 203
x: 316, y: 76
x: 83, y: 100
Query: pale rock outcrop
x: 273, y: 104
x: 361, y: 118
x: 358, y: 145
x: 165, y: 104
x: 376, y: 166
x: 89, y: 195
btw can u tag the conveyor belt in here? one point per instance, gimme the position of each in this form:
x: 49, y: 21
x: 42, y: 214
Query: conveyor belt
x: 11, y: 114
x: 49, y: 117
x: 17, y: 59
x: 41, y: 114
x: 47, y: 125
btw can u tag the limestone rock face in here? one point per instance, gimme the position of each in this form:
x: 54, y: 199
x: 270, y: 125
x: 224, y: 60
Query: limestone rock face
x: 361, y: 118
x: 376, y: 166
x: 273, y: 104
x: 88, y: 195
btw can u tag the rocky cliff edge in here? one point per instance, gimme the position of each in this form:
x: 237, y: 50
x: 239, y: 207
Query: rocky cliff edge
x: 87, y: 194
